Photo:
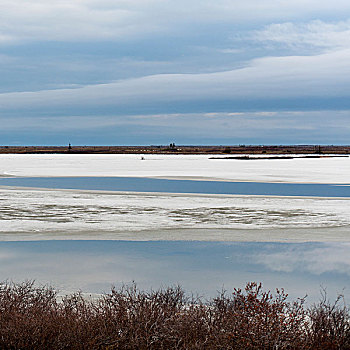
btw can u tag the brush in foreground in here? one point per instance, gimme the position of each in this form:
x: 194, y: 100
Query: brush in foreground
x: 35, y: 318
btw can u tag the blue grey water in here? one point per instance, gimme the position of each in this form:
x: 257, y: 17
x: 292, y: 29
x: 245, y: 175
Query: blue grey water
x: 137, y: 184
x: 200, y: 267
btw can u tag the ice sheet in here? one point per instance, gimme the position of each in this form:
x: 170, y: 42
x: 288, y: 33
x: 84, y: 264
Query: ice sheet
x: 304, y: 170
x: 45, y: 214
x: 54, y: 214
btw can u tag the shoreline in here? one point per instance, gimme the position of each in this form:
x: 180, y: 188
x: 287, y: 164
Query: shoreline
x: 286, y: 235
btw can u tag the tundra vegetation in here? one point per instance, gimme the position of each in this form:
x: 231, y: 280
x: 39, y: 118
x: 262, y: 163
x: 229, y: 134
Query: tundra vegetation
x: 33, y: 317
x: 177, y: 149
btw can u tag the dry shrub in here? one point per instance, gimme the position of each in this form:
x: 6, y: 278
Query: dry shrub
x: 33, y: 318
x: 329, y: 324
x: 256, y: 319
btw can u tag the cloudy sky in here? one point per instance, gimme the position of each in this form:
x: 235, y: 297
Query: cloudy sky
x: 160, y: 71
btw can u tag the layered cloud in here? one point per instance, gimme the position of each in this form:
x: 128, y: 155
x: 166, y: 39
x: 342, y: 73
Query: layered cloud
x: 286, y: 127
x: 272, y: 78
x: 91, y: 20
x: 112, y: 61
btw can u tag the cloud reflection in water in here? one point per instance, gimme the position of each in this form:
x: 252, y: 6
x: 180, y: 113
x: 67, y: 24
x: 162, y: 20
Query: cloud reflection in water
x: 200, y: 267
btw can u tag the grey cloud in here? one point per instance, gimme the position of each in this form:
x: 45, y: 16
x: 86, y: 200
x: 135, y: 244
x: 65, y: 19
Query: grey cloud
x: 89, y: 20
x: 284, y: 127
x: 326, y: 75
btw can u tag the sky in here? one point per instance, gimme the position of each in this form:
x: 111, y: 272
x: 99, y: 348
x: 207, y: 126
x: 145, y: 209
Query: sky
x: 194, y: 72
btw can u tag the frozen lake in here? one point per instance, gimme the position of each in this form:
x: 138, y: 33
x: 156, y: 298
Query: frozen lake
x: 86, y: 222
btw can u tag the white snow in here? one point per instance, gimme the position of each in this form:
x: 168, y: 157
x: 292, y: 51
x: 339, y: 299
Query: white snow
x: 55, y: 214
x: 302, y: 170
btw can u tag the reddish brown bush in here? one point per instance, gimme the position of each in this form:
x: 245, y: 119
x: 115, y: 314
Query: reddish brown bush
x: 34, y: 318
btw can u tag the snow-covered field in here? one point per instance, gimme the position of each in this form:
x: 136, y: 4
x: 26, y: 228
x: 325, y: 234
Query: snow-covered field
x: 318, y: 170
x: 57, y: 214
x: 37, y: 214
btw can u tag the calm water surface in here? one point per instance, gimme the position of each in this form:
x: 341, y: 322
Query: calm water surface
x: 137, y: 184
x: 200, y: 267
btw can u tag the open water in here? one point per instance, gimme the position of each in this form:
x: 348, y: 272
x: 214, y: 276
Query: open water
x: 138, y: 184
